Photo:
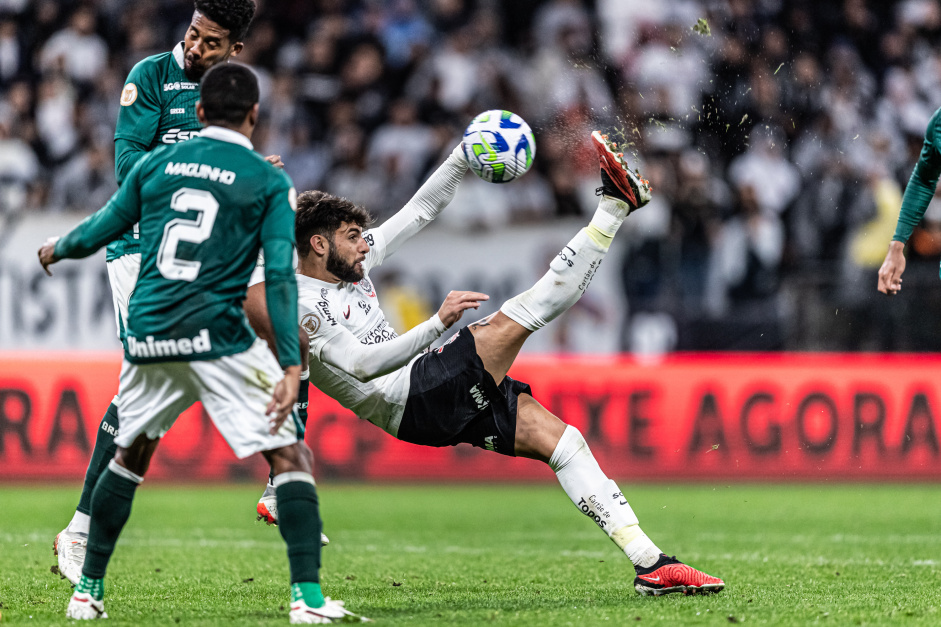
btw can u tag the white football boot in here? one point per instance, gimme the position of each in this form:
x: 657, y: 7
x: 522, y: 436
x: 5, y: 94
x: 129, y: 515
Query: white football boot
x: 70, y: 547
x: 267, y: 511
x: 83, y: 606
x: 331, y: 612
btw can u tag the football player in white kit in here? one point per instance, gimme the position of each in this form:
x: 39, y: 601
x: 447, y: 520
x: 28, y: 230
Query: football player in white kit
x: 460, y: 393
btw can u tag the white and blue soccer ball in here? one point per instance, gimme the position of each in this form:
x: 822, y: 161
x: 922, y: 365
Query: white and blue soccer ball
x: 499, y: 146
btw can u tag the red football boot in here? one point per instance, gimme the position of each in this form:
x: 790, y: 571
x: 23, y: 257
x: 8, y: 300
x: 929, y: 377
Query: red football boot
x: 671, y: 575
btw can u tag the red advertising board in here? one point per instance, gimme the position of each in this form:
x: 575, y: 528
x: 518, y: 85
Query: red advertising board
x: 787, y: 417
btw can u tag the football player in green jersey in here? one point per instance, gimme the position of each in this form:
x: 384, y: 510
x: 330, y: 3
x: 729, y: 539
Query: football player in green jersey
x: 187, y: 336
x: 920, y: 191
x: 158, y: 107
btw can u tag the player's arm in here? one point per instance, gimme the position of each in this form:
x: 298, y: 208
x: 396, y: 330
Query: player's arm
x: 918, y: 193
x: 138, y: 118
x: 430, y: 199
x: 120, y: 213
x: 277, y: 240
x: 335, y: 345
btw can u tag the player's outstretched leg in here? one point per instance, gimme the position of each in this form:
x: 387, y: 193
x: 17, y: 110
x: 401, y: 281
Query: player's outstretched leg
x: 600, y: 498
x: 570, y: 273
x: 71, y: 542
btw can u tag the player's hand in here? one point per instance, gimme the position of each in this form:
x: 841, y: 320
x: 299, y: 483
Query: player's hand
x: 890, y: 274
x: 457, y: 303
x: 283, y: 399
x: 275, y: 160
x: 47, y: 254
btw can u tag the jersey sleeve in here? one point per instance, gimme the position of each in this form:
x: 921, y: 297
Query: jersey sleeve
x: 923, y: 182
x: 138, y: 116
x: 119, y: 214
x: 430, y: 199
x: 277, y: 239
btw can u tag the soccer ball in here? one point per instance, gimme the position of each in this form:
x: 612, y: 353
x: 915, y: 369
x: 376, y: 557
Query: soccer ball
x: 499, y: 146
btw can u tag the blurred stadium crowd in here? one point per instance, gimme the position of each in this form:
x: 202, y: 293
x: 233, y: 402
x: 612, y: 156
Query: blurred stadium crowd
x: 778, y: 135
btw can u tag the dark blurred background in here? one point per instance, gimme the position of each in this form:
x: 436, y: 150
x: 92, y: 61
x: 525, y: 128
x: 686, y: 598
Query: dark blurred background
x: 778, y: 136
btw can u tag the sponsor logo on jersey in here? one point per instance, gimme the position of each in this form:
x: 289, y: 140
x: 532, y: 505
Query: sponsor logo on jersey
x: 175, y: 135
x: 362, y: 305
x: 200, y: 171
x: 311, y: 323
x: 109, y: 428
x: 380, y: 333
x: 178, y: 85
x: 479, y: 397
x: 324, y: 308
x: 366, y: 285
x: 346, y: 314
x: 128, y: 95
x: 489, y: 443
x: 148, y: 347
x: 177, y: 111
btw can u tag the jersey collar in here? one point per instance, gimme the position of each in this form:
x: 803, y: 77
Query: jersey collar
x: 178, y: 54
x: 317, y: 283
x: 226, y: 135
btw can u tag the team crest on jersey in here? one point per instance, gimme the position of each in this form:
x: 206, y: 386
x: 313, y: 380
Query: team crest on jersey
x: 129, y: 95
x: 311, y: 323
x: 366, y: 285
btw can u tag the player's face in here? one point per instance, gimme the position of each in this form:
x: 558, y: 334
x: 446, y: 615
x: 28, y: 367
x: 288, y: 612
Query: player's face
x: 205, y: 44
x: 345, y: 257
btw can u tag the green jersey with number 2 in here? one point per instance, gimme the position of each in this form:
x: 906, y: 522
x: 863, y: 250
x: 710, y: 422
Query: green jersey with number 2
x: 205, y: 208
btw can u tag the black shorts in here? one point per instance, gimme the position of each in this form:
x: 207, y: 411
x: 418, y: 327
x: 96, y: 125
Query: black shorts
x: 453, y: 400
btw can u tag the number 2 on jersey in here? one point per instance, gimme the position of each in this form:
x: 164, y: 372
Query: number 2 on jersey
x: 179, y: 230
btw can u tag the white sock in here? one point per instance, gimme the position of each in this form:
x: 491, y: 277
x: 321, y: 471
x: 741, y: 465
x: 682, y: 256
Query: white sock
x: 569, y: 275
x: 79, y: 524
x: 287, y: 477
x: 600, y: 498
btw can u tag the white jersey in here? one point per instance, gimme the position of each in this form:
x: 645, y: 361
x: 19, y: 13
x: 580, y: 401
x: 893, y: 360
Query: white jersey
x: 326, y: 310
x: 345, y: 317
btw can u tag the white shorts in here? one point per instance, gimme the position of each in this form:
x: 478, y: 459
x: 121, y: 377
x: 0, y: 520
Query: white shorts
x: 235, y: 390
x: 122, y: 274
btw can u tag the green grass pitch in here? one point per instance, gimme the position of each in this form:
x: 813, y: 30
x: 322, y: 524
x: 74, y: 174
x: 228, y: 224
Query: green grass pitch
x: 498, y: 555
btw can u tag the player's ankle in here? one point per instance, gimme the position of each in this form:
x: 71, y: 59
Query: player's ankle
x: 309, y: 592
x: 92, y: 587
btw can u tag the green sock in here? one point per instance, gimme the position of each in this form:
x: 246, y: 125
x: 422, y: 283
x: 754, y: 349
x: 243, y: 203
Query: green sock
x: 308, y: 592
x: 110, y: 509
x: 101, y: 455
x: 94, y: 587
x: 299, y: 524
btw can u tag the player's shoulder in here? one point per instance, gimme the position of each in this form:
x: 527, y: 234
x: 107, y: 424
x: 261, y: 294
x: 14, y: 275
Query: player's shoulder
x: 153, y: 66
x: 316, y: 306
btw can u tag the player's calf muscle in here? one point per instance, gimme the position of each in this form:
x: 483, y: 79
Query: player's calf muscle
x: 538, y: 431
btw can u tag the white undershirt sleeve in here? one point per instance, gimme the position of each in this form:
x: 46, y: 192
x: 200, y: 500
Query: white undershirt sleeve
x: 430, y: 199
x: 368, y: 361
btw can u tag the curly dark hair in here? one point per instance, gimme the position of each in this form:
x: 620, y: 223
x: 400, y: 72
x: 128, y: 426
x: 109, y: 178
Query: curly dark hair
x: 320, y: 213
x: 234, y: 15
